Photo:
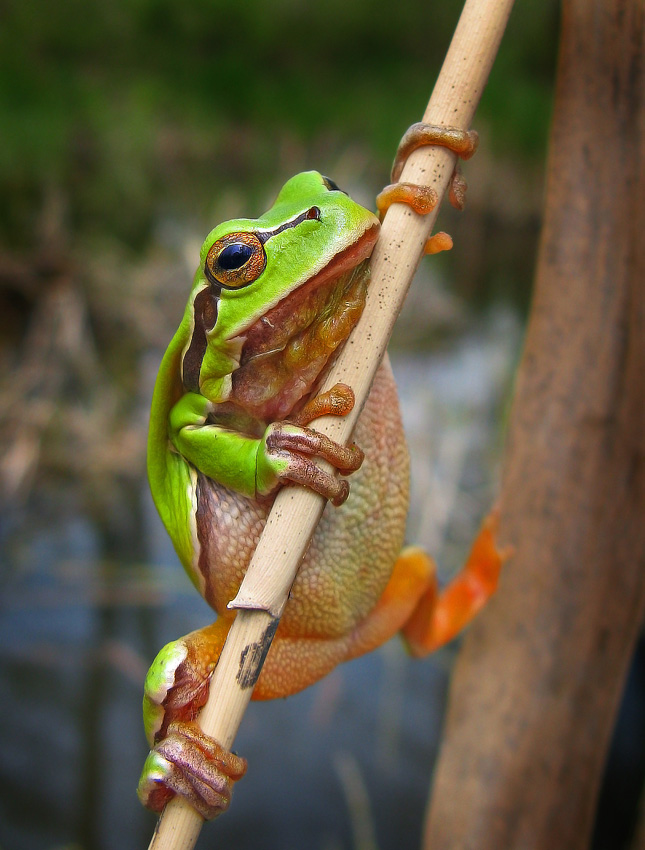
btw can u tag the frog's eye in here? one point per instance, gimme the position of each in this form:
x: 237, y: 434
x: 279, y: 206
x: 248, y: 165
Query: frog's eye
x: 235, y: 260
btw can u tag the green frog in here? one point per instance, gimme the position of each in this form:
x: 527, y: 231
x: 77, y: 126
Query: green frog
x: 272, y: 301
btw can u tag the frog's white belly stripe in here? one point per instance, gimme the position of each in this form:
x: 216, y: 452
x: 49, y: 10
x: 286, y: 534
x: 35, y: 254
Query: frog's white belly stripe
x: 191, y: 496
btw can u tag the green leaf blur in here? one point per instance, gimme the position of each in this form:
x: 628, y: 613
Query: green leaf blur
x: 129, y: 106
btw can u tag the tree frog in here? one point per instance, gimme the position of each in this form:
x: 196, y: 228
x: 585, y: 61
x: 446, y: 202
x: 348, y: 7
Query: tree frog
x: 272, y: 300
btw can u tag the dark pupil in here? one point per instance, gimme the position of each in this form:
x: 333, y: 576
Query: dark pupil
x: 234, y: 256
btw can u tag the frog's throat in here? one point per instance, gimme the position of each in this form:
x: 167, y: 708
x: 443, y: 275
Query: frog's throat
x: 287, y: 349
x: 274, y: 329
x: 342, y: 263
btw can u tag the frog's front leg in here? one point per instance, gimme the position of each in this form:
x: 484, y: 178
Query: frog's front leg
x: 256, y: 466
x: 183, y: 760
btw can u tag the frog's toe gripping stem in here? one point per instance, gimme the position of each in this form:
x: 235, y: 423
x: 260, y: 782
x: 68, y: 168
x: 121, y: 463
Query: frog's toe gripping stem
x: 423, y: 199
x: 439, y: 241
x: 293, y: 443
x: 194, y: 765
x: 338, y: 401
x: 462, y: 142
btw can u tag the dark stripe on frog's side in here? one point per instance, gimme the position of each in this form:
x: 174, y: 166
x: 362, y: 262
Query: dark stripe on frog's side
x: 205, y: 309
x: 205, y: 316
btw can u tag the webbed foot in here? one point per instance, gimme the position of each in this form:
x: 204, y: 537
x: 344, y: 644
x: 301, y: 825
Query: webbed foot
x: 192, y: 764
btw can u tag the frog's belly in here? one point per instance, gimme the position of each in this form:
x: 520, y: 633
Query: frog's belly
x: 353, y: 551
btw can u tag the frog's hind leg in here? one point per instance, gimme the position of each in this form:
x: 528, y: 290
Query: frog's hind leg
x: 183, y: 760
x: 176, y: 687
x: 296, y: 661
x: 411, y: 604
x: 426, y: 616
x: 440, y: 615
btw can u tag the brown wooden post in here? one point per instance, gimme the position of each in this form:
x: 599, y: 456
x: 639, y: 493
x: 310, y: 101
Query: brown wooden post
x: 536, y: 688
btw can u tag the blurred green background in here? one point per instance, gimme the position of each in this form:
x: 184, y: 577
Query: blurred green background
x: 132, y: 107
x: 127, y: 130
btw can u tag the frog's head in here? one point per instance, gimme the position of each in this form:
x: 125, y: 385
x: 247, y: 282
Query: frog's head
x: 277, y: 295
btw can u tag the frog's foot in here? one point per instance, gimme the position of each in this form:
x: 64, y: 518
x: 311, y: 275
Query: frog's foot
x: 189, y: 763
x: 423, y: 199
x: 183, y: 760
x: 290, y: 445
x: 439, y: 241
x: 289, y: 449
x: 440, y: 615
x: 461, y: 142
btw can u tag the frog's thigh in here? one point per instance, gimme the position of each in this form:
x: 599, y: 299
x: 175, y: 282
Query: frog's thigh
x: 177, y: 683
x: 294, y: 663
x: 413, y: 580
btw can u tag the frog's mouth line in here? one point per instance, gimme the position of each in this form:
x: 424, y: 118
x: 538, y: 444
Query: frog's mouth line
x: 286, y: 349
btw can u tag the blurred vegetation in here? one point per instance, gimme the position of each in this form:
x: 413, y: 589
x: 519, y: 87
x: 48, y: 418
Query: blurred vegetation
x: 132, y: 105
x: 129, y: 127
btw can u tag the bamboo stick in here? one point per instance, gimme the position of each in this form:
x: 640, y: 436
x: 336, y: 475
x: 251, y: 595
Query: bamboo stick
x: 296, y: 511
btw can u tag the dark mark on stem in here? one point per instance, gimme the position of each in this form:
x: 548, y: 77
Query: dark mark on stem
x: 253, y: 655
